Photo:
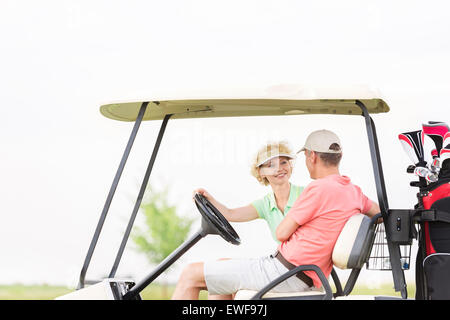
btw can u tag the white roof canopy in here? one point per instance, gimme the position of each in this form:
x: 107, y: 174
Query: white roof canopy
x: 279, y: 100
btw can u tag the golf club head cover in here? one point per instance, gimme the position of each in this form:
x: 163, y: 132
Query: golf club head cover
x: 445, y: 151
x: 412, y: 143
x: 446, y: 143
x: 445, y: 164
x: 436, y: 131
x: 434, y: 153
x: 445, y: 155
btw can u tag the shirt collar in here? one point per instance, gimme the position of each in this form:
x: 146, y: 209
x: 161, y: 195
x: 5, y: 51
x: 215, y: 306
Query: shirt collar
x: 272, y: 202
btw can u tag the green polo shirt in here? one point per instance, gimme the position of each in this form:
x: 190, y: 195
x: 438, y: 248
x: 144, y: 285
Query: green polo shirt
x: 267, y: 208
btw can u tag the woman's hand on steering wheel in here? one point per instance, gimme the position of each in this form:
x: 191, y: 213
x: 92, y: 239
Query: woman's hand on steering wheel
x: 217, y: 223
x: 203, y: 192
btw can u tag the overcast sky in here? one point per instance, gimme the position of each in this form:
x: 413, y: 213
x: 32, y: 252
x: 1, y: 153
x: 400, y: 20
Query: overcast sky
x: 61, y: 60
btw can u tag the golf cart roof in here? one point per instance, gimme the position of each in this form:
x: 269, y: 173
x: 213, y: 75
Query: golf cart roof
x: 277, y: 100
x: 205, y: 108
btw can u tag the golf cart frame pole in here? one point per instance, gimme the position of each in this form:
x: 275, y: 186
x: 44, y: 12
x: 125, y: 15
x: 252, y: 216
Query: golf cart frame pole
x: 140, y: 196
x: 110, y: 196
x: 166, y: 263
x: 394, y: 249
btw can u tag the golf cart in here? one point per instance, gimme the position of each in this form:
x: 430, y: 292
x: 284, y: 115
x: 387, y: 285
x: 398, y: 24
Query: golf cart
x: 356, y: 250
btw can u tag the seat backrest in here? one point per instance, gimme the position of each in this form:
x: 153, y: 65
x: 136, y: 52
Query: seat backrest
x: 354, y: 243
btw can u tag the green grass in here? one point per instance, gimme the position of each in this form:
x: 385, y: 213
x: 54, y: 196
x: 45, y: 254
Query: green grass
x: 153, y: 292
x: 159, y: 292
x: 31, y: 292
x: 383, y: 290
x: 46, y: 292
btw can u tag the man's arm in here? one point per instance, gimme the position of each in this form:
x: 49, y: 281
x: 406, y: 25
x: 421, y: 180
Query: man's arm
x: 374, y: 209
x: 286, y: 228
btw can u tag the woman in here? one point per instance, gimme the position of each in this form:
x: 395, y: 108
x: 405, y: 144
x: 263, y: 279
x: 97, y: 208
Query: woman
x: 272, y: 166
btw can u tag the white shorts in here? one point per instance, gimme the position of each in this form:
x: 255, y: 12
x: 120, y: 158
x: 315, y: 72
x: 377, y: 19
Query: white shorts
x: 230, y: 276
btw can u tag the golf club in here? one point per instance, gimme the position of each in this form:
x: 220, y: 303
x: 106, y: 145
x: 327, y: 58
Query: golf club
x: 412, y: 143
x: 436, y: 131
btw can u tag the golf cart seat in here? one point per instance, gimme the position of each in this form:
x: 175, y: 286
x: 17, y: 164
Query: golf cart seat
x: 351, y: 251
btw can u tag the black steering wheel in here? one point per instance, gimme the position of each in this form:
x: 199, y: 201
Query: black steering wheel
x: 216, y: 220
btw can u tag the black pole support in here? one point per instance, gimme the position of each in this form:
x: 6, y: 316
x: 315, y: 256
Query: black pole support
x: 140, y: 196
x: 110, y: 196
x: 394, y: 249
x: 167, y: 262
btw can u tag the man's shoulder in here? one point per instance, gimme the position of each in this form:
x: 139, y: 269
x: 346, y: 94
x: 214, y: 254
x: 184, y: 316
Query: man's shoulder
x: 313, y: 187
x: 332, y: 182
x: 319, y: 183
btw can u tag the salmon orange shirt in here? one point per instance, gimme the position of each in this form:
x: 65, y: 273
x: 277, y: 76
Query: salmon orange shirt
x: 321, y: 212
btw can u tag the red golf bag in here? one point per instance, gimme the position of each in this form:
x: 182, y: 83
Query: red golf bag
x: 433, y: 257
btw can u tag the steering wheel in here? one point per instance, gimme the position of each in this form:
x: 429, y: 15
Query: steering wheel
x: 216, y: 220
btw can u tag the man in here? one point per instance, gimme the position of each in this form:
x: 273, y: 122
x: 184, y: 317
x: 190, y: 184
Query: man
x: 310, y: 230
x: 307, y: 233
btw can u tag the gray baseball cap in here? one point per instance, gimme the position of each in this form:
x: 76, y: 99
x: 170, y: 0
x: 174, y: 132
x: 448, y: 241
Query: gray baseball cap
x: 321, y: 141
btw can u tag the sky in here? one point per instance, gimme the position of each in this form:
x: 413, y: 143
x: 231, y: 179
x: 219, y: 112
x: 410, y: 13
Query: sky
x: 61, y: 60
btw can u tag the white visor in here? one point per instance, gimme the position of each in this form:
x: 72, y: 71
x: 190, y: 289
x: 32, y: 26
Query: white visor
x: 275, y: 156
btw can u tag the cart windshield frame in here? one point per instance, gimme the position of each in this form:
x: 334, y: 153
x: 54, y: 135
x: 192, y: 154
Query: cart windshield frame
x: 209, y: 108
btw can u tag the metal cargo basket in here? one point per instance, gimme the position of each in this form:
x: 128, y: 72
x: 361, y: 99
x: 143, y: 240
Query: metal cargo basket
x: 379, y: 257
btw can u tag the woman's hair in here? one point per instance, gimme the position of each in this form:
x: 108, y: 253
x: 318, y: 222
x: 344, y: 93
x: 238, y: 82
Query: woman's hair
x: 265, y: 152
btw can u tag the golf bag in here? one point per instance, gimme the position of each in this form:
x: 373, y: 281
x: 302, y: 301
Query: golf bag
x: 432, y: 212
x: 433, y: 257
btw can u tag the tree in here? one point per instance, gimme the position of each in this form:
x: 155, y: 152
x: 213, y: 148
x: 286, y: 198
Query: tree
x: 164, y: 230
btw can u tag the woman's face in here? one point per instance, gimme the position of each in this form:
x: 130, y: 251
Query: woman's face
x: 277, y: 170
